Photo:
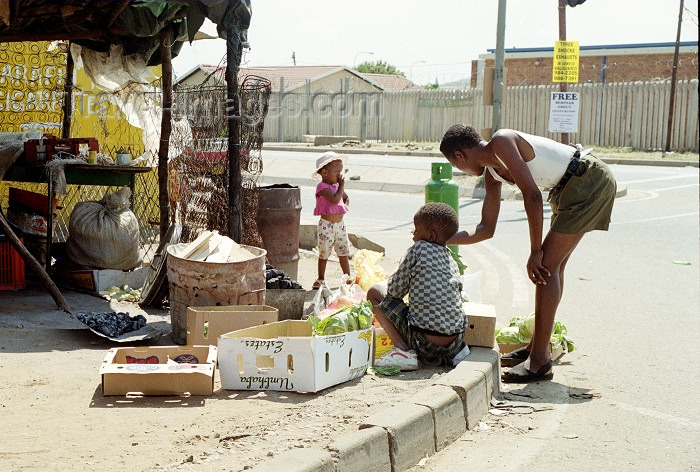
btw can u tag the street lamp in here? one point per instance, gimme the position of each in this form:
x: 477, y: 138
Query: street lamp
x: 410, y: 71
x: 354, y: 62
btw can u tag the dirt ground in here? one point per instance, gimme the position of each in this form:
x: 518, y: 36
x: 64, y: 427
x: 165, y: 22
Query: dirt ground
x: 55, y: 417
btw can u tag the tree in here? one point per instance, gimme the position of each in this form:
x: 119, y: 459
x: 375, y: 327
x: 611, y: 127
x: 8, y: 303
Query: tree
x: 378, y: 67
x: 433, y: 86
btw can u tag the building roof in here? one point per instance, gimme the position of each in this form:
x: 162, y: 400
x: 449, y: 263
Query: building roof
x: 607, y: 47
x: 296, y: 76
x: 392, y: 82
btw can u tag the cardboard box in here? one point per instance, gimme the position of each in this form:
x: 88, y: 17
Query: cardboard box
x: 97, y: 280
x: 206, y: 323
x: 285, y: 356
x: 147, y: 370
x: 481, y: 330
x: 382, y: 343
x: 556, y: 352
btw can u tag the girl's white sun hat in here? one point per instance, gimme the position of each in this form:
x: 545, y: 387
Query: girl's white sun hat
x: 325, y: 159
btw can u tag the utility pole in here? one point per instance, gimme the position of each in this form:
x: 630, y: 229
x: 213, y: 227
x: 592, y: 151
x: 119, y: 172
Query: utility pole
x: 563, y: 86
x: 294, y: 58
x: 498, y: 74
x: 674, y: 74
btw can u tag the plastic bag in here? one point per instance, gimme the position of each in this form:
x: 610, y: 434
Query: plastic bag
x: 320, y: 302
x: 104, y: 234
x: 471, y: 287
x: 367, y: 271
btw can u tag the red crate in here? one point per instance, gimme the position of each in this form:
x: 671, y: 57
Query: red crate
x: 39, y: 151
x: 11, y: 267
x: 32, y: 201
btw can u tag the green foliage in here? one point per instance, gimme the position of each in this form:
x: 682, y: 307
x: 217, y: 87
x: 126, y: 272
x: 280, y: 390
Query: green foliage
x: 379, y: 67
x: 433, y: 86
x: 458, y: 259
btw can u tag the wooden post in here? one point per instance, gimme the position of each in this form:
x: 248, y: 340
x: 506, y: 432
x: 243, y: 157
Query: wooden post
x: 674, y: 74
x: 68, y: 95
x: 234, y: 51
x: 563, y: 86
x: 34, y: 265
x: 166, y: 40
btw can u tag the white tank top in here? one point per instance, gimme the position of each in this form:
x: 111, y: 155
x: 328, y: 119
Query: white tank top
x: 548, y: 165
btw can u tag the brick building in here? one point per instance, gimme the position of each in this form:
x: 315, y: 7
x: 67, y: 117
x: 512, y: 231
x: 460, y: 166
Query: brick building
x: 597, y: 64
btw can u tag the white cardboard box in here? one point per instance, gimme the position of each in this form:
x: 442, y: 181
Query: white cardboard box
x: 285, y: 356
x: 146, y: 370
x: 206, y: 323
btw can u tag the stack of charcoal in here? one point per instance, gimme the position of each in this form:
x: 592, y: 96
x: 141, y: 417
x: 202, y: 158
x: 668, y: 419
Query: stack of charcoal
x: 112, y: 324
x: 277, y: 279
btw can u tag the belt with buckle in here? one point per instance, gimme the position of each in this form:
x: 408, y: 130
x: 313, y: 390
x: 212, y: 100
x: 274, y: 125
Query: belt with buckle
x: 570, y: 169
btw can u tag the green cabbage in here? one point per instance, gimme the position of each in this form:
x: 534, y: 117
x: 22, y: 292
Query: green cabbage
x: 348, y: 318
x: 521, y: 328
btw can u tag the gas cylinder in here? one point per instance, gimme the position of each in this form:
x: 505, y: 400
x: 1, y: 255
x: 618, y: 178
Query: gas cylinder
x: 443, y: 189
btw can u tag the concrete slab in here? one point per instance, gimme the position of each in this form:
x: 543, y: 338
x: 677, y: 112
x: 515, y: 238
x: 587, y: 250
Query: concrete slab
x: 448, y: 413
x: 410, y: 429
x: 365, y: 450
x: 299, y: 460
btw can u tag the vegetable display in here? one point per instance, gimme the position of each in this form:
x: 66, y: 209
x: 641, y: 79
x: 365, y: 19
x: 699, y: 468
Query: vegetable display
x: 347, y: 318
x: 520, y: 330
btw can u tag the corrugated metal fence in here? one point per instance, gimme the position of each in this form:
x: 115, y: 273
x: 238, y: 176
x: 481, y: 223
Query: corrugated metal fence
x: 611, y: 115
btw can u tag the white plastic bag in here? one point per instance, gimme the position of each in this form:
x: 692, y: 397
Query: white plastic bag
x: 320, y: 301
x: 104, y: 234
x: 471, y: 287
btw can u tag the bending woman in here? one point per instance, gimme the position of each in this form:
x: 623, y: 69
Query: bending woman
x: 581, y: 197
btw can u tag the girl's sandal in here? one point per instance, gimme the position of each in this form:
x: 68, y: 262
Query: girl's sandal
x: 317, y: 284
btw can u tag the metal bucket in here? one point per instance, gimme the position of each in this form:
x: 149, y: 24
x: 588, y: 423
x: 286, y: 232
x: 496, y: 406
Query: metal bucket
x: 199, y: 283
x: 279, y: 214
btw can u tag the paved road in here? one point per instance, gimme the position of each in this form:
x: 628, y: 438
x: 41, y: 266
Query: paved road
x: 623, y: 400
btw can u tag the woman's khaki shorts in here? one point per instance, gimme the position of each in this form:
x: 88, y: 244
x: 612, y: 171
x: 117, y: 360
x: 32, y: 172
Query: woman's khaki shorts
x: 585, y: 203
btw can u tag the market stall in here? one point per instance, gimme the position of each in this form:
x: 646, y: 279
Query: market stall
x: 142, y: 33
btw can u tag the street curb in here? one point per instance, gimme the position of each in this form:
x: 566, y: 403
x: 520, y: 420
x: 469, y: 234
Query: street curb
x: 464, y: 192
x: 397, y: 438
x: 408, y: 152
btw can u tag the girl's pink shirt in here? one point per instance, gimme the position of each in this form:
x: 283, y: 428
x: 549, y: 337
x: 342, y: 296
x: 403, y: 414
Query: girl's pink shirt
x: 324, y: 206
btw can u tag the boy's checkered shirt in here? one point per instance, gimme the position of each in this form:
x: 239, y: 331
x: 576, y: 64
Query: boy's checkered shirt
x: 430, y: 276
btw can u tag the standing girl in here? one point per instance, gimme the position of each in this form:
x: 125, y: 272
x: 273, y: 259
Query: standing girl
x: 331, y: 205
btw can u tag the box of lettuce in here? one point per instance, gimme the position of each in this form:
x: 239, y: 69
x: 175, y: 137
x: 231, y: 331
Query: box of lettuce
x: 289, y: 356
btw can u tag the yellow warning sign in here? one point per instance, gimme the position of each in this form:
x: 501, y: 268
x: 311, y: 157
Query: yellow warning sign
x: 565, y: 67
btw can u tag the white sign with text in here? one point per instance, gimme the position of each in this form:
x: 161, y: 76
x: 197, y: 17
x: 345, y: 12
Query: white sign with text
x: 563, y: 112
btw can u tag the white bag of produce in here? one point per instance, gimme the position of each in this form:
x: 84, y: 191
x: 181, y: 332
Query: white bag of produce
x: 104, y: 234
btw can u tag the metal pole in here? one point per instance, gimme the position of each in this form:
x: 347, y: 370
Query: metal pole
x: 563, y: 86
x: 674, y: 74
x: 234, y: 52
x: 498, y: 68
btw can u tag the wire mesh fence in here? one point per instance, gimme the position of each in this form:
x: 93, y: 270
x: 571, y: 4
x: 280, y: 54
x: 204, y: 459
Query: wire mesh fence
x: 32, y: 93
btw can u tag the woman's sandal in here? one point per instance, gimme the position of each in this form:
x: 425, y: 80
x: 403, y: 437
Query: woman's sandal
x: 513, y: 358
x: 519, y: 374
x: 317, y: 284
